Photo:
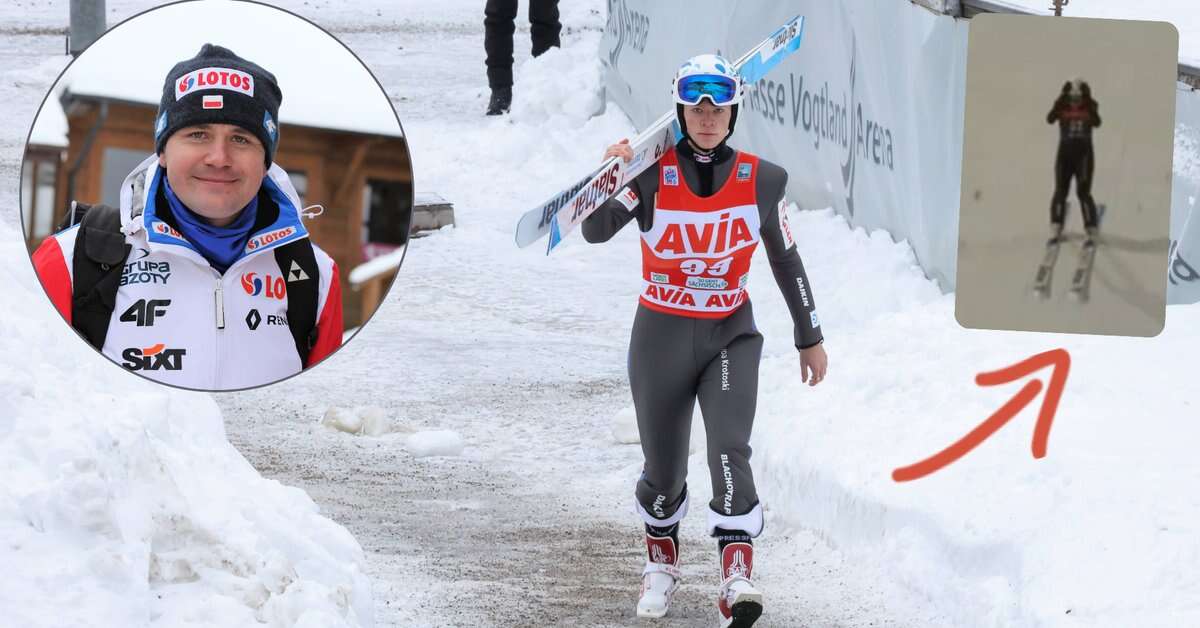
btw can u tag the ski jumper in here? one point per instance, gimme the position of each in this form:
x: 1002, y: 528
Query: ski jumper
x: 1075, y: 157
x: 693, y: 334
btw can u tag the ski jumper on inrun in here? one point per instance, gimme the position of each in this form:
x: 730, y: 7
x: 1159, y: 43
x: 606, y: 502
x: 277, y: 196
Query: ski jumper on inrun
x: 1077, y: 114
x: 702, y: 210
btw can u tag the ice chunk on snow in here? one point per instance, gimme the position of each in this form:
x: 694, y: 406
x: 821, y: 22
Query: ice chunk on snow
x: 624, y: 427
x: 434, y: 443
x: 366, y: 421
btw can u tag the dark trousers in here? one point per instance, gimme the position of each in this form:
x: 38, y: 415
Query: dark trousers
x: 499, y: 25
x: 1076, y: 160
x: 673, y: 362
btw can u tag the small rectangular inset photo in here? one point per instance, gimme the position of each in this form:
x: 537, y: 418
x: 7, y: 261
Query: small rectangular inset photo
x: 1066, y: 175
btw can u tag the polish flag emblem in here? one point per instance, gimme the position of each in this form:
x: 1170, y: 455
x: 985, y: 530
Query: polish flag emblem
x: 213, y: 102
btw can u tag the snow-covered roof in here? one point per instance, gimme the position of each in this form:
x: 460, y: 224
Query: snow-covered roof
x: 50, y: 127
x: 323, y: 84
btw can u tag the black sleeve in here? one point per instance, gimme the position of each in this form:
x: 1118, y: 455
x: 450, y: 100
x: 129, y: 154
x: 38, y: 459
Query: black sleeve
x: 635, y: 200
x: 784, y: 257
x: 1053, y: 115
x: 1094, y: 109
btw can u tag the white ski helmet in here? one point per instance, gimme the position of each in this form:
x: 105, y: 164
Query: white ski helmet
x: 708, y: 76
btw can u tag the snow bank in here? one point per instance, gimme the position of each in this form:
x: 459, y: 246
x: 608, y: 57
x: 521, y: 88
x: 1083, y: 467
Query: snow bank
x: 376, y: 266
x: 123, y: 504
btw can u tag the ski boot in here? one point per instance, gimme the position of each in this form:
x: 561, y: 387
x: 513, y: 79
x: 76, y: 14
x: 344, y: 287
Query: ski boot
x: 1092, y: 234
x: 1056, y: 230
x: 660, y: 578
x: 739, y: 603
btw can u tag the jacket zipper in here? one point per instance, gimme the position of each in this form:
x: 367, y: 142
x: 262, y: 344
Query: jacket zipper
x: 220, y: 305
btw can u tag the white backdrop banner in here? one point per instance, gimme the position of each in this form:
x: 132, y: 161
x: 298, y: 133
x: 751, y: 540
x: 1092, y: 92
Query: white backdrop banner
x: 867, y: 117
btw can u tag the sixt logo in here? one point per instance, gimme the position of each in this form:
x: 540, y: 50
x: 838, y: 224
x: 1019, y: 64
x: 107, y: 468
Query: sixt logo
x: 829, y: 120
x: 145, y: 311
x: 625, y: 27
x: 153, y: 358
x: 269, y: 237
x: 268, y: 286
x: 214, y: 78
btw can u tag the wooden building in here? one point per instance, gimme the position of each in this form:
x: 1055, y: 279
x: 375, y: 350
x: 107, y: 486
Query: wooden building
x: 363, y: 181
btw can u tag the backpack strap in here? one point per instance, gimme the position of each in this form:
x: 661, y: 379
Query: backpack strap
x: 100, y: 253
x: 299, y: 266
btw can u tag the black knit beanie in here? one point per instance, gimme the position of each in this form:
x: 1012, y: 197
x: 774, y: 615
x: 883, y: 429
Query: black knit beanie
x: 218, y: 87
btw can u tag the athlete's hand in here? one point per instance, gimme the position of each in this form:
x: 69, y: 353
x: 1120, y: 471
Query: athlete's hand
x: 622, y: 150
x: 813, y: 365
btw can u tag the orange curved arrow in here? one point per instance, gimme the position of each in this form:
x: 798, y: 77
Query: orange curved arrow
x: 1059, y: 359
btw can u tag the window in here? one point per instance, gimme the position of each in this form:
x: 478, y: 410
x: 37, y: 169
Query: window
x: 384, y: 216
x: 37, y: 196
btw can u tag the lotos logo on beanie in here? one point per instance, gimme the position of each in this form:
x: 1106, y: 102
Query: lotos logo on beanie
x: 214, y: 78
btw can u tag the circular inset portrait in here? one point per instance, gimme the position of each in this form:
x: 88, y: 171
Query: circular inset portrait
x: 196, y: 197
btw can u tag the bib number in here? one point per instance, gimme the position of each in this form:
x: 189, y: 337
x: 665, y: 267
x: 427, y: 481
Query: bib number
x: 694, y: 267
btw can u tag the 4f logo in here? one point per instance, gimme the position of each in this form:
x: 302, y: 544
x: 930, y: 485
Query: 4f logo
x: 154, y: 358
x: 145, y: 311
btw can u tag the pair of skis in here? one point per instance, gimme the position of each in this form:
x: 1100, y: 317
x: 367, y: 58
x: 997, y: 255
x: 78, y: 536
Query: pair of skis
x: 1081, y: 279
x: 564, y: 211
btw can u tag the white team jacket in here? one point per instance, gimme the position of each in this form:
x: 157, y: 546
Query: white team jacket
x: 179, y: 321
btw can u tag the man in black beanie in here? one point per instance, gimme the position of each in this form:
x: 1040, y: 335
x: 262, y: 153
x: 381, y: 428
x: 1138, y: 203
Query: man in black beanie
x: 205, y: 276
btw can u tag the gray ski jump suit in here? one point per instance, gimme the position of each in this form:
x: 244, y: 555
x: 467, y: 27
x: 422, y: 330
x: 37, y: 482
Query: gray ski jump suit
x: 693, y: 338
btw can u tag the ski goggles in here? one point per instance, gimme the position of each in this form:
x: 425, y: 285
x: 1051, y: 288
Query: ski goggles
x: 719, y: 89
